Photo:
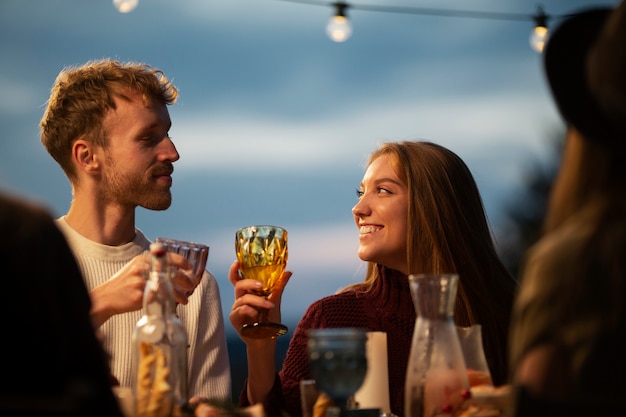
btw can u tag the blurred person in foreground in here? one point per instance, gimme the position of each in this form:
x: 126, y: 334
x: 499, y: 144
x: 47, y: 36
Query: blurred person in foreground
x: 418, y: 210
x: 54, y: 363
x: 59, y: 366
x: 107, y: 125
x: 568, y: 351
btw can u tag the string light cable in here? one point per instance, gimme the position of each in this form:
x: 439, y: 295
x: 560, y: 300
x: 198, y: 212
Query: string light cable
x: 339, y: 29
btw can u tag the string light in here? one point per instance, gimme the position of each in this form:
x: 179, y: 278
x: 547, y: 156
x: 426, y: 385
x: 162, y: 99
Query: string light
x: 339, y: 28
x: 539, y: 35
x: 125, y: 6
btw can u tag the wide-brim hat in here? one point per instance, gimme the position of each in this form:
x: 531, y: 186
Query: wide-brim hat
x: 566, y: 58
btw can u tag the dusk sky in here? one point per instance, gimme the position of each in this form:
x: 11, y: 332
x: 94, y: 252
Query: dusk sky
x: 275, y: 120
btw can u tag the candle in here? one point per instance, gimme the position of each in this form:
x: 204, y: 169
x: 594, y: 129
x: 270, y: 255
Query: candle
x: 374, y: 393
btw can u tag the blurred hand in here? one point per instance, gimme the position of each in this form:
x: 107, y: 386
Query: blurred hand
x: 247, y: 303
x: 206, y: 410
x: 203, y: 407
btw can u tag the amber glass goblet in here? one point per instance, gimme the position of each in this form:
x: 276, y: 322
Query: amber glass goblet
x: 262, y: 255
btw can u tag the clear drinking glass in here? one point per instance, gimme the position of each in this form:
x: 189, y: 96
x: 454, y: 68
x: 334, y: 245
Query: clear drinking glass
x: 338, y: 362
x: 196, y: 253
x: 474, y: 355
x: 308, y: 396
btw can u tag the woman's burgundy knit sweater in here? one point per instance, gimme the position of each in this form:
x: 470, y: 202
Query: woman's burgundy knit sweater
x: 388, y: 307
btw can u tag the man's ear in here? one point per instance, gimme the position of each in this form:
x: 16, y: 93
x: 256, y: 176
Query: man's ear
x: 84, y: 156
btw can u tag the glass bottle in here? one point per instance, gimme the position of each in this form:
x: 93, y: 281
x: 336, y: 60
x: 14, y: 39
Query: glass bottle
x: 160, y: 345
x: 436, y: 378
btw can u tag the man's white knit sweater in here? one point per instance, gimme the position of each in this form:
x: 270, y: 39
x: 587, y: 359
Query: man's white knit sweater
x: 209, y: 369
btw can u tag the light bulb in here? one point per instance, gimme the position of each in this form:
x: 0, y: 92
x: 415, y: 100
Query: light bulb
x: 125, y: 6
x: 538, y: 38
x: 338, y: 28
x: 539, y: 35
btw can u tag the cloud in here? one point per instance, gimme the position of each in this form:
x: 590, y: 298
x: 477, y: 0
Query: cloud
x: 229, y: 140
x: 310, y: 245
x: 264, y: 90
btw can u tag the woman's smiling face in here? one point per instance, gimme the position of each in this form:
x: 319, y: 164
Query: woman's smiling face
x: 381, y: 215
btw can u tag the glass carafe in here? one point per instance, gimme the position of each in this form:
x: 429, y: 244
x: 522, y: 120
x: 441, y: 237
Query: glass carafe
x: 436, y: 378
x: 160, y: 345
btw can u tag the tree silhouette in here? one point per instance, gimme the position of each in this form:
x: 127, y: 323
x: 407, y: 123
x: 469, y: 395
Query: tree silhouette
x: 526, y: 211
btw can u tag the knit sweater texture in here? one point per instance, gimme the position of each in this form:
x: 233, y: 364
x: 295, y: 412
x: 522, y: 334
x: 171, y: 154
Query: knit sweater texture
x: 388, y: 307
x: 209, y: 368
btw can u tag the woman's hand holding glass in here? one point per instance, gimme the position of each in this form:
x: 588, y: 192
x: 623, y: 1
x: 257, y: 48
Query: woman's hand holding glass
x: 248, y: 303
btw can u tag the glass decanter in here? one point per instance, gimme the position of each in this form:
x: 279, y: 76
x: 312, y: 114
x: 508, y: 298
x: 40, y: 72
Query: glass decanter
x: 436, y: 379
x: 160, y: 345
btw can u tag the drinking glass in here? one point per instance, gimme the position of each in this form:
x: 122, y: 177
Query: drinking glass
x: 338, y: 361
x: 262, y: 255
x: 308, y: 396
x: 196, y: 253
x: 474, y: 355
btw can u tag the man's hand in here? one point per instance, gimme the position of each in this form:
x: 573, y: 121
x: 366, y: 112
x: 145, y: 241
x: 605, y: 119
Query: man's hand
x: 124, y: 291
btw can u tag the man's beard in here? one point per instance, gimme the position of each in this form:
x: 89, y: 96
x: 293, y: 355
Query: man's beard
x: 125, y: 189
